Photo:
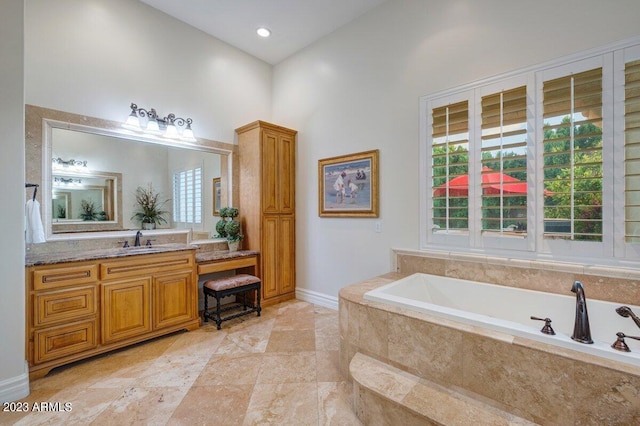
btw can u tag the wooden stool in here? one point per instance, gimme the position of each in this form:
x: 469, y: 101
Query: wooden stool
x: 221, y: 287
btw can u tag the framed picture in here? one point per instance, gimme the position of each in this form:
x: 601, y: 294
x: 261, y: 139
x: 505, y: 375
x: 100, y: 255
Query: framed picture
x: 348, y: 185
x: 216, y: 196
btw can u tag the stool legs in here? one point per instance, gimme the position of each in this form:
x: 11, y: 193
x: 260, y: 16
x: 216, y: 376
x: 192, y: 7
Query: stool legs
x: 218, y: 320
x: 258, y: 307
x: 206, y: 307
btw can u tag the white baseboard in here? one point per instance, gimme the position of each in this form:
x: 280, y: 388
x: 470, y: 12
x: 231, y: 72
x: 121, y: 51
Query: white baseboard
x: 15, y: 388
x: 320, y: 299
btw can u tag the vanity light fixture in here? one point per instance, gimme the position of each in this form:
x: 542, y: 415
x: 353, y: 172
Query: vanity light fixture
x: 78, y: 165
x: 263, y: 32
x: 60, y: 181
x: 152, y: 124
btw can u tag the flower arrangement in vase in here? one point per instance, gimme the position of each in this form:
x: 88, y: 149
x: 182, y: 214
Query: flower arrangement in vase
x: 149, y: 212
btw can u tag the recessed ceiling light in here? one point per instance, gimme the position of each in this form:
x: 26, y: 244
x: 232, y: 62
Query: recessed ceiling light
x: 263, y: 32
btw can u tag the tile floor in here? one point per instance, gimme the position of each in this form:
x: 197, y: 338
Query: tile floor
x: 279, y: 369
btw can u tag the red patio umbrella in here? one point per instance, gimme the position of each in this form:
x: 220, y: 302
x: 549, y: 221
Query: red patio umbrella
x: 459, y: 185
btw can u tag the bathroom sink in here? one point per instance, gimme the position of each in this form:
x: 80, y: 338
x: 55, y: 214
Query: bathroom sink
x: 141, y: 250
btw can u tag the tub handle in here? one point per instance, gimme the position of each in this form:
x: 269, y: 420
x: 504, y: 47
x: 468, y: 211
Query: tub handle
x: 547, y: 325
x: 620, y: 344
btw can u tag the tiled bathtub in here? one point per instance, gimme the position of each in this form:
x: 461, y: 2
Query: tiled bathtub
x: 531, y: 379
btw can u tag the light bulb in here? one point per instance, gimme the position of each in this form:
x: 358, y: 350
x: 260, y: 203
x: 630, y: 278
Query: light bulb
x: 132, y: 123
x: 263, y: 32
x: 152, y: 126
x: 171, y: 131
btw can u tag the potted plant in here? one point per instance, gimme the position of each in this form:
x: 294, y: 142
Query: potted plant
x: 89, y: 211
x: 229, y: 228
x: 221, y: 223
x: 149, y: 206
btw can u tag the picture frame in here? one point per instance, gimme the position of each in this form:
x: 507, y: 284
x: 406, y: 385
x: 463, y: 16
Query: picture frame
x: 348, y: 185
x: 217, y: 193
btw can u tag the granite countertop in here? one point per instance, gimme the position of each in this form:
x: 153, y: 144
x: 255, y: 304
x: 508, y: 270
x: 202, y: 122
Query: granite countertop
x: 32, y: 259
x: 212, y: 256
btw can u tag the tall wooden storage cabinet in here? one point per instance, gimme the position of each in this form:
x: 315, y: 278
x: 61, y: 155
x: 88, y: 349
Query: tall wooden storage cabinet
x: 267, y: 204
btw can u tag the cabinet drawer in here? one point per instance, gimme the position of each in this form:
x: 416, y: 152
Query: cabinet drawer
x: 62, y: 276
x: 146, y: 264
x: 56, y: 342
x: 64, y: 305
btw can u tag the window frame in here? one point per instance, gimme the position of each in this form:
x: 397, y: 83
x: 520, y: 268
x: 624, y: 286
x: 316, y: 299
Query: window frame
x: 459, y: 238
x: 613, y: 249
x: 580, y: 248
x: 622, y: 248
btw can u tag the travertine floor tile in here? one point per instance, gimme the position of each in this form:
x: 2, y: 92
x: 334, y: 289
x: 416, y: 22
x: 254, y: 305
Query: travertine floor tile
x: 142, y: 406
x: 292, y: 341
x: 334, y: 405
x: 102, y: 371
x: 277, y: 369
x: 213, y: 405
x: 173, y: 371
x: 328, y: 366
x: 85, y: 406
x: 288, y: 368
x: 239, y: 369
x: 246, y: 339
x: 283, y: 404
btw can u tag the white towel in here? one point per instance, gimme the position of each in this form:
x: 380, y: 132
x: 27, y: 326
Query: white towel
x: 35, y: 230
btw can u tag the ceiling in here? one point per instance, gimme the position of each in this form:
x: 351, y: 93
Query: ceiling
x: 294, y: 24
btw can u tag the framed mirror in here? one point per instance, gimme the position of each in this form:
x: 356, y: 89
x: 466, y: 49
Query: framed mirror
x: 91, y: 169
x: 83, y: 200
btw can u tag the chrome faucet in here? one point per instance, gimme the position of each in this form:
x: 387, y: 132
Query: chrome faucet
x: 626, y: 312
x: 137, y: 242
x: 581, y: 330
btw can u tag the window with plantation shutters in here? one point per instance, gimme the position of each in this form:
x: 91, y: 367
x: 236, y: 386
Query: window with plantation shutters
x: 632, y: 152
x: 537, y: 164
x: 504, y: 161
x: 187, y: 196
x: 573, y: 143
x: 450, y: 163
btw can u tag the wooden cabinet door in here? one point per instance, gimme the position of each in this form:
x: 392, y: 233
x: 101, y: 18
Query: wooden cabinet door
x: 286, y: 254
x: 286, y: 174
x: 270, y: 171
x: 126, y: 309
x: 278, y: 255
x: 269, y: 255
x: 173, y: 299
x: 278, y: 173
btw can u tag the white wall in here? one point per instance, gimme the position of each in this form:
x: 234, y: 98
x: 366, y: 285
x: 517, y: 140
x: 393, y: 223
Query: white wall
x: 95, y: 57
x: 358, y: 89
x: 14, y: 380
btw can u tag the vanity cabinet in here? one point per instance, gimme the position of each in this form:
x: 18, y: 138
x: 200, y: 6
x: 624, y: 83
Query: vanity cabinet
x: 80, y: 309
x: 267, y: 204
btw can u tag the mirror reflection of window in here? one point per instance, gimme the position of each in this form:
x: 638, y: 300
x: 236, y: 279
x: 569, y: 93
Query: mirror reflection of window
x: 187, y: 197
